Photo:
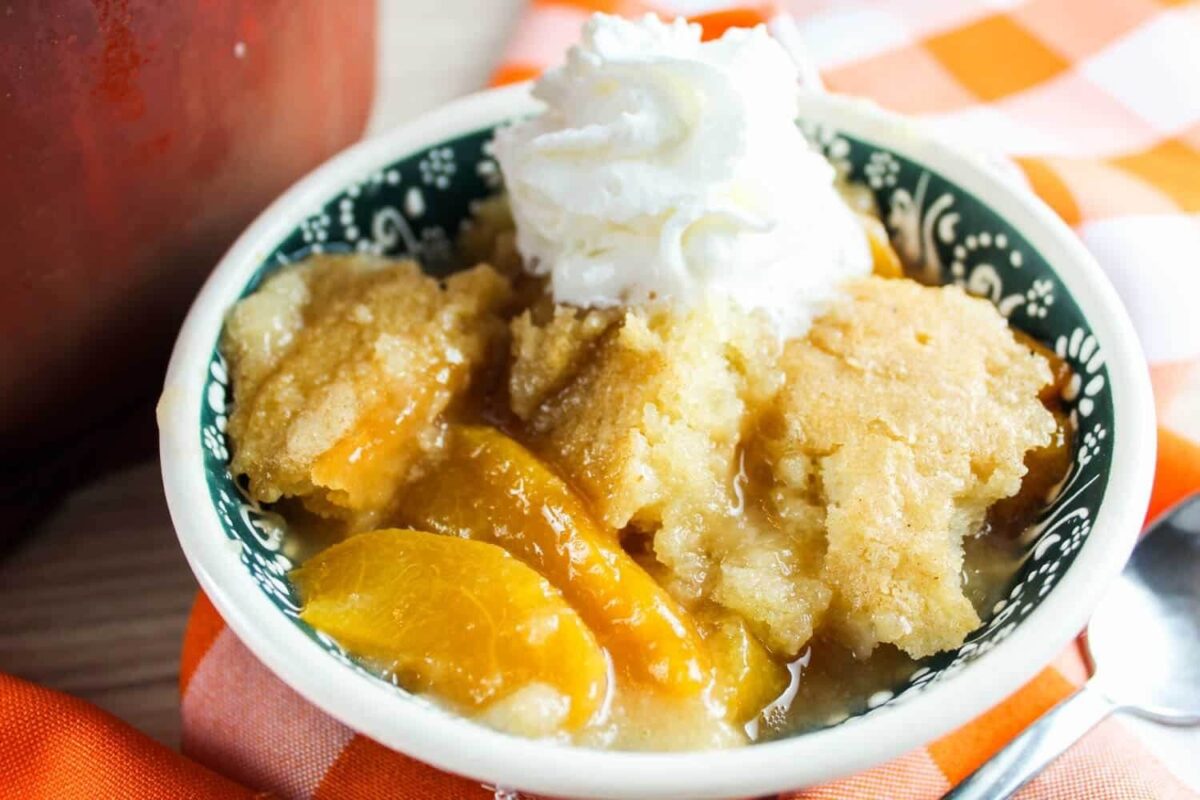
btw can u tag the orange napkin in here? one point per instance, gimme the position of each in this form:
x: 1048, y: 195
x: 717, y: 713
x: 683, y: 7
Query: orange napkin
x: 1094, y: 99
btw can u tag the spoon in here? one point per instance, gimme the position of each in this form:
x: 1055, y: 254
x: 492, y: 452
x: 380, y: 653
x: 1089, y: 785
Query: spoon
x: 1144, y: 646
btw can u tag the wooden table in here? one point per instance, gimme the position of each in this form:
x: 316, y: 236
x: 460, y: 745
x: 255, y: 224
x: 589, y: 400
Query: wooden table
x: 95, y: 602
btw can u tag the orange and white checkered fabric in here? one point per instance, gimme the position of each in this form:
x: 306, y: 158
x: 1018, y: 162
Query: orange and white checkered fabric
x: 1097, y: 101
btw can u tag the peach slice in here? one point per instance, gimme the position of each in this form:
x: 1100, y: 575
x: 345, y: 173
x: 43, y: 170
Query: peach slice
x: 492, y: 489
x: 885, y: 261
x: 748, y: 678
x: 462, y: 620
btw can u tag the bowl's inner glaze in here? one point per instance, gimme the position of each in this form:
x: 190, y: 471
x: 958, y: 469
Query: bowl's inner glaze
x: 416, y: 205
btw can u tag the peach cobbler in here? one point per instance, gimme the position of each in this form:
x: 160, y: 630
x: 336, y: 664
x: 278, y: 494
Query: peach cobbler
x: 684, y: 460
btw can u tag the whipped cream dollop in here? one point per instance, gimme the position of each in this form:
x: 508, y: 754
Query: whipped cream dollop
x: 666, y: 168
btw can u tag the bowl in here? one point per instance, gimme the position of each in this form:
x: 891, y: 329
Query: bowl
x: 950, y: 213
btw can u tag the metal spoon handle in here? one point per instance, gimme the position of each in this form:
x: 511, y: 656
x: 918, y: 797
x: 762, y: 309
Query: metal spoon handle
x: 1028, y: 754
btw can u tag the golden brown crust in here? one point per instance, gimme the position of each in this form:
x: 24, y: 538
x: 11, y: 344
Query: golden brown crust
x: 913, y: 408
x: 341, y: 367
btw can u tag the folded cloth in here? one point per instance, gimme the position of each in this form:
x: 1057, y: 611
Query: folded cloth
x: 58, y: 747
x: 1093, y: 99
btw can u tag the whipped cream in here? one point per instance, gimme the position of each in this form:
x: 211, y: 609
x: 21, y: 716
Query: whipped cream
x: 664, y: 168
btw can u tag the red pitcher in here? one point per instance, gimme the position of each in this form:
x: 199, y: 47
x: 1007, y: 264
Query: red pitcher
x: 137, y: 138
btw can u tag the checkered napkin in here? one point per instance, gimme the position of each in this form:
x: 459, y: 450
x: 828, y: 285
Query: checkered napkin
x: 1097, y: 102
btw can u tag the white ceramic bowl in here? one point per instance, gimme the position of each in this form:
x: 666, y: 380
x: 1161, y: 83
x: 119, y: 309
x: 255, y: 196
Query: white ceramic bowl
x: 972, y: 683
